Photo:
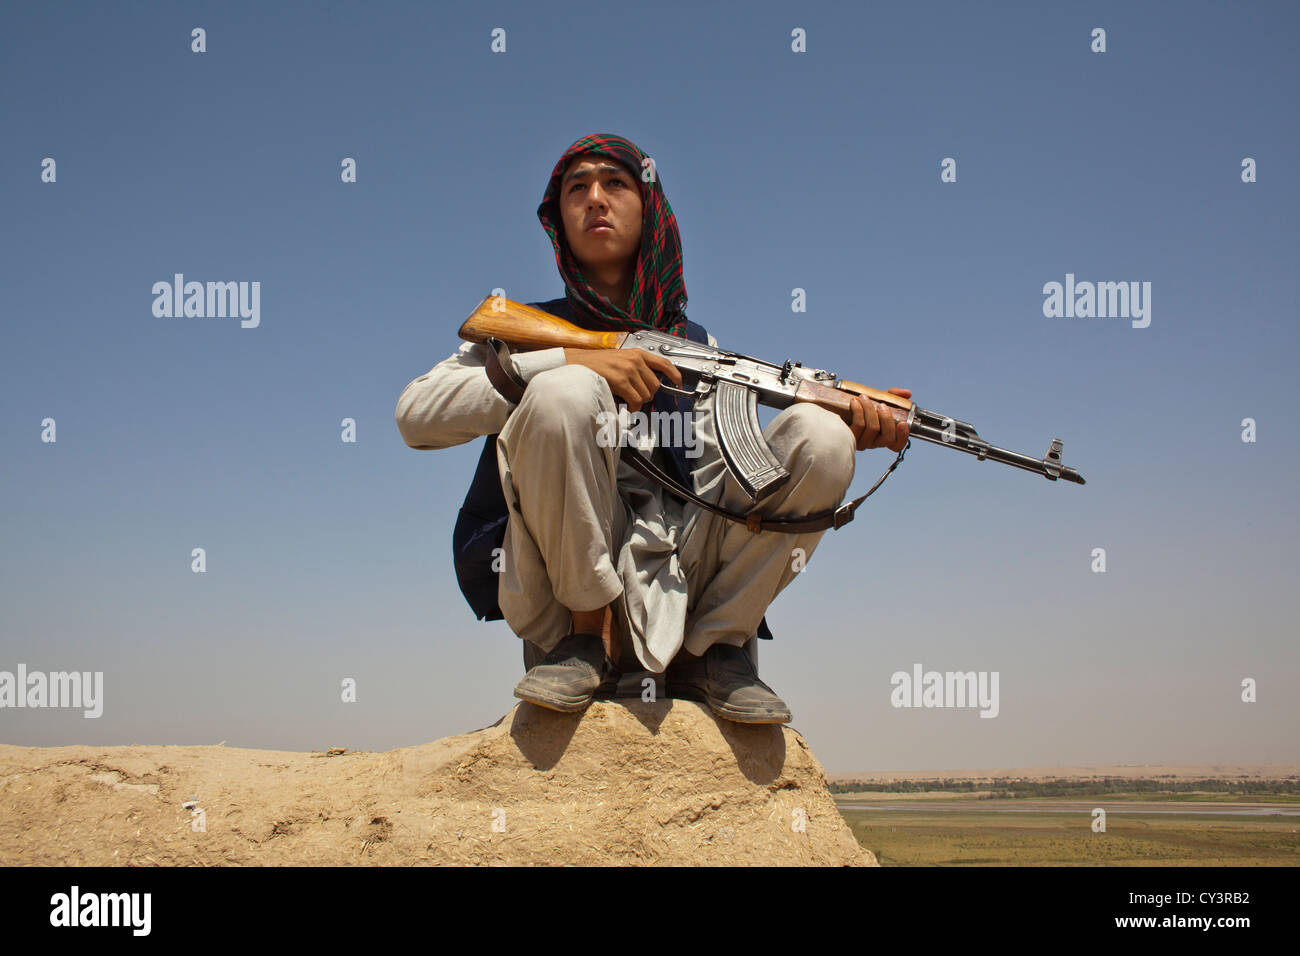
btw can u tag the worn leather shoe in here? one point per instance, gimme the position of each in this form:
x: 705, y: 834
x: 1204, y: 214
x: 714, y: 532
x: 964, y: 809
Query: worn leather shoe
x: 685, y: 679
x: 568, y: 678
x: 734, y: 692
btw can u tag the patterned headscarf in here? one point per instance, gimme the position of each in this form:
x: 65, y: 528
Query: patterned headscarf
x: 658, y: 298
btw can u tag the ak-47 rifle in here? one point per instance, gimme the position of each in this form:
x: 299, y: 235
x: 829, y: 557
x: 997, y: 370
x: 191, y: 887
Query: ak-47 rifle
x: 739, y: 384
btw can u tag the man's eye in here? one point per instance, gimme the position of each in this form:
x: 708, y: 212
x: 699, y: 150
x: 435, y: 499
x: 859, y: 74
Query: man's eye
x: 612, y: 182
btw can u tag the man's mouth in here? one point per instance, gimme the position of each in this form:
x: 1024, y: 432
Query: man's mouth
x: 600, y: 224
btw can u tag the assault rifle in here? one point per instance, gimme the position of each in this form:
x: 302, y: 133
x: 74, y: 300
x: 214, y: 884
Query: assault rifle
x: 739, y: 383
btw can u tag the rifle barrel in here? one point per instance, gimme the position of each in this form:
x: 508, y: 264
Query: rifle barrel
x: 975, y: 445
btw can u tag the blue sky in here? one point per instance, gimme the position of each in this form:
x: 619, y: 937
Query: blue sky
x: 816, y: 170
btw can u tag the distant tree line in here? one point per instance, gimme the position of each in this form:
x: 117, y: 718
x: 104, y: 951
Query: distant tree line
x: 1004, y: 787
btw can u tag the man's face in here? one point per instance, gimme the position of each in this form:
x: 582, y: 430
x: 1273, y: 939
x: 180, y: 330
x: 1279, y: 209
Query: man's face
x: 596, y: 187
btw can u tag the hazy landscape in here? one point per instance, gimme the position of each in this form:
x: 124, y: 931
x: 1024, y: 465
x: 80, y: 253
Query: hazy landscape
x: 1154, y: 816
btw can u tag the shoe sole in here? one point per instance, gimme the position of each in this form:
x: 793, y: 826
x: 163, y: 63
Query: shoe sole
x: 684, y: 690
x: 563, y: 705
x: 569, y: 705
x: 739, y: 717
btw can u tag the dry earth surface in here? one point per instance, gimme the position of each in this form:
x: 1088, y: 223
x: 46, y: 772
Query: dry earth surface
x: 624, y: 783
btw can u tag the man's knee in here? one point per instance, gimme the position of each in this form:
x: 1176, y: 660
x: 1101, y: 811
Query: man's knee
x: 819, y: 448
x: 565, y: 397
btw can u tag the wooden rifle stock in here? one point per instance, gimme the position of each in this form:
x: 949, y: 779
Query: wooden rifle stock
x: 524, y: 328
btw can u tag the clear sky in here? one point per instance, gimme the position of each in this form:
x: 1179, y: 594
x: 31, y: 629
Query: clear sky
x: 819, y: 171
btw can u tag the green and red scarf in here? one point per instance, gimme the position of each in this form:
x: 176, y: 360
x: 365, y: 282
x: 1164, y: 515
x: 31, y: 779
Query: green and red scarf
x: 658, y: 299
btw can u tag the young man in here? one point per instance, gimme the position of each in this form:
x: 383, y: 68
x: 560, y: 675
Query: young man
x: 590, y: 547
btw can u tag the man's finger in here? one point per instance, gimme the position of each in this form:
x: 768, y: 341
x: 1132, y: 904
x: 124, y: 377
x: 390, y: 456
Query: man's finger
x: 871, y: 431
x: 646, y: 388
x: 638, y: 371
x: 662, y: 364
x: 633, y: 390
x: 646, y: 376
x: 859, y: 420
x: 887, y: 423
x: 903, y: 434
x: 900, y: 436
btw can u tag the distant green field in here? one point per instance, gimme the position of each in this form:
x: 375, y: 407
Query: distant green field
x: 971, y: 837
x: 877, y: 796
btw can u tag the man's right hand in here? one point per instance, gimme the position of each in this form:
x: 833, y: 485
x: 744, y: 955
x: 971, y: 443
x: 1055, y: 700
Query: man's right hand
x: 629, y: 372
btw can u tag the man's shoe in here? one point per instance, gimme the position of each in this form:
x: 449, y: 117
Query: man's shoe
x: 685, y: 679
x: 567, y: 678
x: 734, y: 692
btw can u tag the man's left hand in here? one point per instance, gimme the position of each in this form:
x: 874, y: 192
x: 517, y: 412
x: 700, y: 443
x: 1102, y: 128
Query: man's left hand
x: 874, y: 425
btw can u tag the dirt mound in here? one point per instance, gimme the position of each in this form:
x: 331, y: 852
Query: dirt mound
x: 624, y: 783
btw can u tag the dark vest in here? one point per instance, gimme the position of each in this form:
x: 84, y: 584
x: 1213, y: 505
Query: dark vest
x: 481, y: 524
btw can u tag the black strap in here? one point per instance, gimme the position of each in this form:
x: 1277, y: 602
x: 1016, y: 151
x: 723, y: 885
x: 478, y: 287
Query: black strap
x: 835, y: 518
x: 501, y: 371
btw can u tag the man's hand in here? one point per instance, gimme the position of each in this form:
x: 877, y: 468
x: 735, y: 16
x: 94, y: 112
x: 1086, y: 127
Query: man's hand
x: 630, y: 372
x: 874, y: 425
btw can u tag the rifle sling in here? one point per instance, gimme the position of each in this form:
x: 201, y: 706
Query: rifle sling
x: 501, y: 371
x: 755, y: 522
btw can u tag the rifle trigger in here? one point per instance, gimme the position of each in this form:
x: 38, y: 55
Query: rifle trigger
x: 676, y: 391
